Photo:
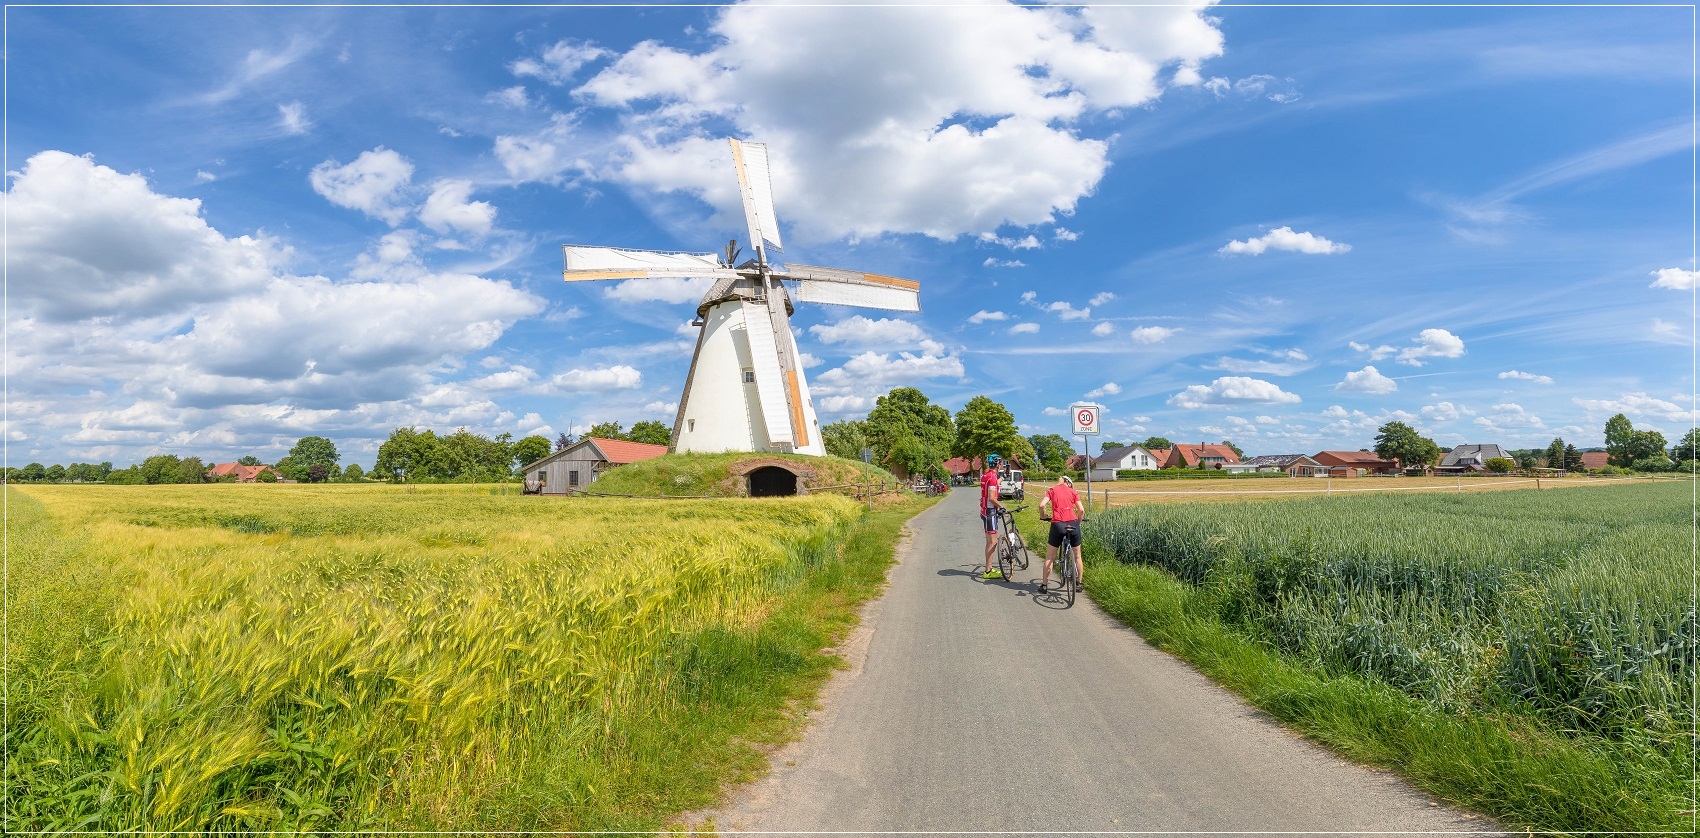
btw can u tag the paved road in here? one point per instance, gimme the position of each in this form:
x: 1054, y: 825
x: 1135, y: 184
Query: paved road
x: 977, y: 706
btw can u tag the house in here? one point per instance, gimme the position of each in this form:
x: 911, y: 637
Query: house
x: 1353, y: 464
x: 1130, y: 457
x: 1469, y: 458
x: 573, y: 468
x: 1295, y: 465
x: 1076, y: 463
x: 242, y: 473
x: 1187, y: 455
x: 1595, y: 459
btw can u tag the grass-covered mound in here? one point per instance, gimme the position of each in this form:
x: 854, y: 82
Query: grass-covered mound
x: 713, y: 474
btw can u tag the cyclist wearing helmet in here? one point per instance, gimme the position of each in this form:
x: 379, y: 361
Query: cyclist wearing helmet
x: 1064, y: 508
x: 989, y: 504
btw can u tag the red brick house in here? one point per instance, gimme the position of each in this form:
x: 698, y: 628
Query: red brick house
x: 1355, y: 463
x: 1188, y: 455
x: 242, y: 473
x: 1595, y: 459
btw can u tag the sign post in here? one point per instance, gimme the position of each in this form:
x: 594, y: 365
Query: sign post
x: 867, y: 457
x: 1085, y: 415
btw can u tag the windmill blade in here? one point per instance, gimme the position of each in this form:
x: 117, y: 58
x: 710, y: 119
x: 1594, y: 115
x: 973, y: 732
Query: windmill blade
x: 586, y: 262
x: 764, y: 356
x: 755, y: 183
x: 836, y: 286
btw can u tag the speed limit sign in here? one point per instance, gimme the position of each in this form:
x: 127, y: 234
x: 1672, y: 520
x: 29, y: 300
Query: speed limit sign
x: 1085, y: 418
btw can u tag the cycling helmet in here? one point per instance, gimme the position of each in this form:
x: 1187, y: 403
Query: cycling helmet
x: 993, y: 459
x: 1068, y: 481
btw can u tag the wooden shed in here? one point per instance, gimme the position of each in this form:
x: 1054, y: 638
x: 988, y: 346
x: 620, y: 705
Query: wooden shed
x: 573, y: 468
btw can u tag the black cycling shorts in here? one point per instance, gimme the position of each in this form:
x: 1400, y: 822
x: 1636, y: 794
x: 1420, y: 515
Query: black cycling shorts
x: 1062, y: 531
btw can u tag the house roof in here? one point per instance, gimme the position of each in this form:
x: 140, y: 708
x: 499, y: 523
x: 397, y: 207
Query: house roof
x: 1596, y: 459
x: 1467, y: 454
x: 1192, y: 454
x: 1114, y: 455
x: 1368, y: 459
x: 240, y: 471
x: 621, y: 452
x: 961, y: 465
x: 1076, y: 463
x: 1281, y: 460
x: 1163, y: 456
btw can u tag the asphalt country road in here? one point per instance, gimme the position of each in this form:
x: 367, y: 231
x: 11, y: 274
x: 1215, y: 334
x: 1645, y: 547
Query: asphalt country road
x: 977, y: 706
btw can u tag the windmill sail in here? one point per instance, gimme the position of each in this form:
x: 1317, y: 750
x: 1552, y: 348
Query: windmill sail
x: 585, y: 262
x: 755, y: 183
x: 764, y: 355
x: 835, y: 286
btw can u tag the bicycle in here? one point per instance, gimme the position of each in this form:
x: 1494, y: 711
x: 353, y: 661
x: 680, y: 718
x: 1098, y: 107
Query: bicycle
x: 1012, y: 548
x: 1068, y: 573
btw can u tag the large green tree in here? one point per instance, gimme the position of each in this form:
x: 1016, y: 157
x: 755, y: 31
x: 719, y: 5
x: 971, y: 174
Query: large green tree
x: 1154, y: 443
x: 987, y: 427
x: 1052, y: 450
x: 1620, y: 434
x: 160, y: 468
x: 606, y: 430
x: 311, y: 450
x: 909, y: 433
x: 845, y: 438
x: 1399, y: 441
x: 1555, y: 453
x: 650, y: 431
x: 407, y: 455
x: 530, y: 449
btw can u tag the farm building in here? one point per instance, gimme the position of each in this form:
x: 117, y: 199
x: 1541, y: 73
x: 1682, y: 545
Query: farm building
x: 242, y: 473
x: 1132, y: 457
x: 1296, y: 465
x: 1187, y: 455
x: 578, y: 465
x: 1353, y: 464
x: 1595, y: 459
x: 1467, y: 458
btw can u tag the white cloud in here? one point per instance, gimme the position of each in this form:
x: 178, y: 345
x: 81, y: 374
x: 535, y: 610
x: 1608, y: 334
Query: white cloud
x: 205, y: 177
x: 661, y: 289
x: 1432, y: 343
x: 293, y: 117
x: 1265, y: 367
x: 1029, y: 296
x: 660, y: 408
x: 372, y: 184
x: 1367, y: 380
x: 1507, y: 416
x: 559, y: 62
x: 845, y: 404
x: 510, y: 97
x: 1444, y: 411
x: 1065, y: 235
x: 1267, y: 420
x: 1638, y: 404
x: 1104, y: 329
x: 541, y: 155
x: 1003, y: 263
x: 878, y: 372
x: 1666, y: 331
x: 861, y: 331
x: 617, y: 377
x: 1676, y: 279
x: 1069, y: 312
x: 808, y: 361
x: 510, y: 379
x: 983, y: 315
x: 1110, y: 389
x: 1376, y: 353
x: 1151, y: 334
x: 1101, y: 298
x: 1232, y: 390
x: 1027, y: 243
x: 1283, y: 238
x: 1024, y: 329
x: 967, y: 96
x: 1526, y: 376
x: 1055, y: 411
x: 448, y: 208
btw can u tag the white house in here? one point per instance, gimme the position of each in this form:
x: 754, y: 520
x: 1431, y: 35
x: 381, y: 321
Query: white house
x: 1134, y: 457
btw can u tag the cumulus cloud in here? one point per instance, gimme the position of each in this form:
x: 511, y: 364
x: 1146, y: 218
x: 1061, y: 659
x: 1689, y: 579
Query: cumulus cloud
x: 1069, y: 312
x: 1376, y: 353
x: 1003, y: 263
x: 1055, y: 411
x: 510, y: 97
x: 842, y: 389
x: 1675, y: 279
x: 1638, y: 404
x: 1367, y: 380
x: 558, y: 63
x: 1151, y: 334
x: 1024, y: 329
x: 541, y: 155
x: 1109, y: 389
x: 1232, y: 389
x: 1283, y: 238
x: 1101, y: 298
x: 666, y: 289
x: 859, y: 330
x: 983, y: 315
x: 450, y: 208
x: 1028, y: 242
x: 372, y: 184
x: 1104, y: 329
x: 1432, y: 343
x: 617, y: 377
x: 989, y: 94
x: 1446, y: 411
x: 1526, y: 376
x: 1503, y: 417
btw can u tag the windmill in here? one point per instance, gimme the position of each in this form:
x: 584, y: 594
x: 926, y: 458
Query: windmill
x: 746, y: 390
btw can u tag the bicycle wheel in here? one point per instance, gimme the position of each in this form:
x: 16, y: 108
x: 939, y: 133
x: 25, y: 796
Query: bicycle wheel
x: 1006, y: 566
x: 1070, y: 576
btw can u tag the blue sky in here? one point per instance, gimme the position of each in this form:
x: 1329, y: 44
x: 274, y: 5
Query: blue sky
x: 232, y: 227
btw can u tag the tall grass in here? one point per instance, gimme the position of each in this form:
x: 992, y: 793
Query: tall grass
x: 273, y: 657
x: 1564, y: 613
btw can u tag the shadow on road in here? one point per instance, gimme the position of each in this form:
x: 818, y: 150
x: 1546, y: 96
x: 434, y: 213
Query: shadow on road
x: 974, y: 572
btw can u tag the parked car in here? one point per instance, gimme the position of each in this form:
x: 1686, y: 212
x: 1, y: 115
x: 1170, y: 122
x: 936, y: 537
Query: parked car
x: 1012, y: 484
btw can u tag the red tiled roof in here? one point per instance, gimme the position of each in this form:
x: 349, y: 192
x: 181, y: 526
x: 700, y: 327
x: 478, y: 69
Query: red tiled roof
x: 1596, y: 459
x: 1163, y: 456
x: 241, y: 472
x: 621, y: 451
x: 1076, y: 463
x: 1191, y: 454
x: 1366, y: 459
x: 961, y: 465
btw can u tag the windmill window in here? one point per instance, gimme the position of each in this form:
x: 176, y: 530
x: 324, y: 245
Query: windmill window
x: 690, y: 424
x: 749, y: 376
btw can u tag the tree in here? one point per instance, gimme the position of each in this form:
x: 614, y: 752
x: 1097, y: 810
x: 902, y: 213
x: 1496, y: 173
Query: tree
x: 1154, y: 443
x: 313, y: 449
x: 1399, y: 441
x: 1647, y: 445
x: 318, y: 473
x: 35, y: 472
x: 266, y: 475
x: 1619, y: 435
x: 530, y: 449
x: 288, y: 469
x: 1052, y: 450
x: 1687, y: 448
x: 55, y: 473
x: 160, y: 468
x: 652, y: 432
x: 1555, y: 453
x: 409, y: 453
x: 606, y: 430
x: 249, y: 460
x: 1108, y: 444
x: 1526, y: 459
x: 1500, y: 465
x: 562, y: 442
x: 845, y: 438
x: 908, y: 432
x: 190, y: 470
x: 986, y: 427
x: 354, y: 473
x: 1572, y: 458
x: 1234, y: 448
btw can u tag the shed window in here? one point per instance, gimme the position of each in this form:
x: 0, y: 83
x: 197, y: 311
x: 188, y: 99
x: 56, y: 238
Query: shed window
x: 572, y: 478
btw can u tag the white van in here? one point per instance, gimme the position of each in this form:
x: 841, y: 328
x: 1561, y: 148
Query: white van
x: 1011, y: 484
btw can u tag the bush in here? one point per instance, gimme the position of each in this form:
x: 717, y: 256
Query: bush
x: 1183, y: 473
x: 1500, y: 465
x: 1649, y: 464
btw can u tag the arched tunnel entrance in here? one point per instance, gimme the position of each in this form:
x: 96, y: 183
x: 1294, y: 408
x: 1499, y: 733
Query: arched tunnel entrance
x: 772, y: 481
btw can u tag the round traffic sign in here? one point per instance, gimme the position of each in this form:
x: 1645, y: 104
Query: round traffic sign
x: 1085, y: 418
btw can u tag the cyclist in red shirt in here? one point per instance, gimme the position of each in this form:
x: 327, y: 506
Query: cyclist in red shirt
x: 989, y: 504
x: 1065, y: 509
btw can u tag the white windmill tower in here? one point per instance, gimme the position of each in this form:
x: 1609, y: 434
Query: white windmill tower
x: 745, y: 390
